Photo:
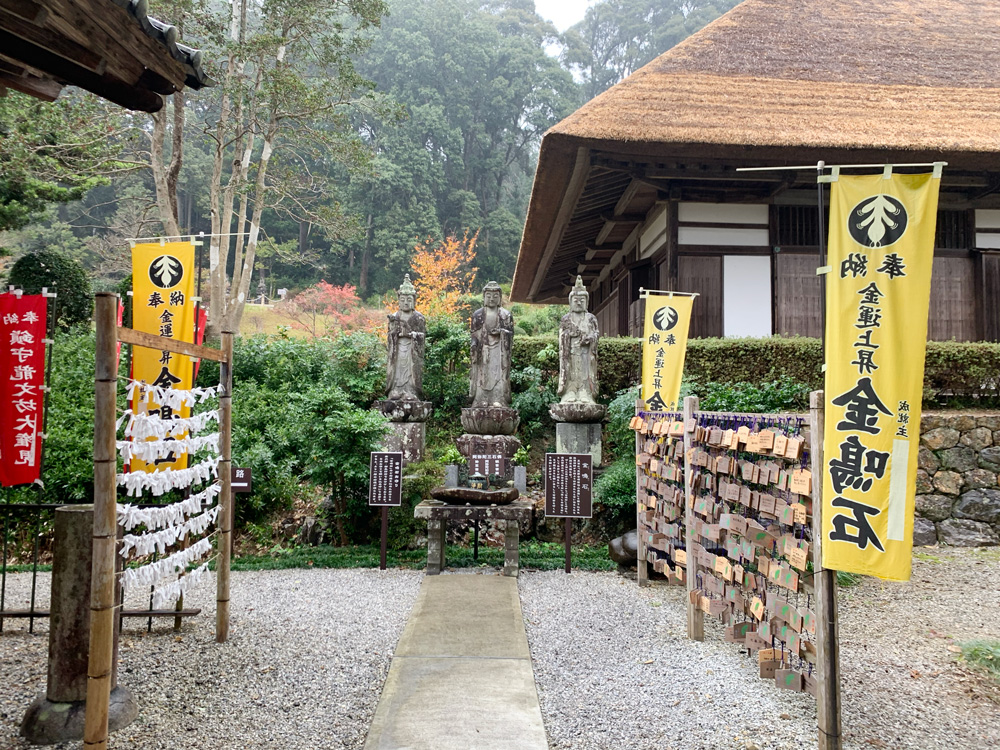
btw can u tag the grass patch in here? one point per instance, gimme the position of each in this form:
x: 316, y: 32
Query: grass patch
x: 984, y: 656
x: 42, y: 568
x: 846, y: 580
x: 534, y: 556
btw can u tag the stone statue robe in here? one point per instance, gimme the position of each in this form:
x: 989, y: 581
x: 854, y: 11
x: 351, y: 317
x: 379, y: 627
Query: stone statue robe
x: 578, y: 336
x: 492, y: 337
x: 405, y: 366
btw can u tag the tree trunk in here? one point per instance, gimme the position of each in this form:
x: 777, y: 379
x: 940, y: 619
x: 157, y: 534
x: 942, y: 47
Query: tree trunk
x: 366, y: 258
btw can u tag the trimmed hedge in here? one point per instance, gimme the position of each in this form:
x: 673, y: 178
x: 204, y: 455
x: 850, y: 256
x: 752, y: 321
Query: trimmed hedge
x: 956, y: 373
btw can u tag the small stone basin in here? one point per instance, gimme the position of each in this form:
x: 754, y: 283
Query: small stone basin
x: 469, y: 496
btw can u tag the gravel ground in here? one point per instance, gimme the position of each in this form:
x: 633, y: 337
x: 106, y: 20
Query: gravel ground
x: 307, y: 655
x: 310, y: 649
x: 614, y: 668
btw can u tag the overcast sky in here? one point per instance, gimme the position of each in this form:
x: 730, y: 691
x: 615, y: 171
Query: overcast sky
x: 563, y: 13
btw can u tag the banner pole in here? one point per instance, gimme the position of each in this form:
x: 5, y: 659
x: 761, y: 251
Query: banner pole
x: 385, y: 536
x: 695, y: 616
x: 100, y: 663
x: 569, y: 545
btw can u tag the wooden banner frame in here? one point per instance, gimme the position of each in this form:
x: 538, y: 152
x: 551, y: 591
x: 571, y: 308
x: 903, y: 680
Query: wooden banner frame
x: 828, y: 699
x: 102, y: 599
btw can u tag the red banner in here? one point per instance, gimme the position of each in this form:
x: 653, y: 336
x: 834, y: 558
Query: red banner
x: 22, y: 376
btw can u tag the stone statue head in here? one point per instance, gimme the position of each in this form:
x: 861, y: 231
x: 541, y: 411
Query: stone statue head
x: 407, y: 295
x: 579, y: 296
x: 492, y: 295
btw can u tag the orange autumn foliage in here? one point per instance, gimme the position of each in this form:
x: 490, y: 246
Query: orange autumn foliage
x: 444, y: 273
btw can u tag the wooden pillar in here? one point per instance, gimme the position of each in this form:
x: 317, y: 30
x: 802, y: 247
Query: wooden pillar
x: 695, y: 617
x: 102, y: 593
x: 226, y: 494
x: 825, y: 589
x: 642, y: 573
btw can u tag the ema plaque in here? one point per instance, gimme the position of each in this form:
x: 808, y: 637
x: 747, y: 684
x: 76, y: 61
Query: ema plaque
x: 386, y: 479
x: 568, y: 485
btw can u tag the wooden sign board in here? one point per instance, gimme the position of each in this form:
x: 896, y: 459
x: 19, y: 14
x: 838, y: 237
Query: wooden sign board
x: 385, y: 486
x: 241, y: 480
x: 568, y: 485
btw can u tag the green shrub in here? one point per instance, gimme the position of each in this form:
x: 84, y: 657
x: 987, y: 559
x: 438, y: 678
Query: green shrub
x: 618, y: 437
x: 783, y: 394
x: 359, y: 367
x: 532, y: 395
x: 61, y: 274
x: 446, y: 371
x: 614, y: 498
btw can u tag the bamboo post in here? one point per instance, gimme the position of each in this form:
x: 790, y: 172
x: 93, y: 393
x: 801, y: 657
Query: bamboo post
x: 695, y: 617
x: 642, y: 571
x: 226, y: 495
x: 825, y: 589
x: 102, y: 589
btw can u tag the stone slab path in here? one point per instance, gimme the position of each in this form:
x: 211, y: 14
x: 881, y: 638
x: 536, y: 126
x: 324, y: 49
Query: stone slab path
x: 461, y: 675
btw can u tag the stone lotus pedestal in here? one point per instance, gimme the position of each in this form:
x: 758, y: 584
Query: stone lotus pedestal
x: 578, y: 428
x: 407, y: 432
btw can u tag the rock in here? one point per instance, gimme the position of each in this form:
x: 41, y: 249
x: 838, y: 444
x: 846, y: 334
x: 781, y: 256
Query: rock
x: 996, y: 437
x: 623, y: 549
x: 311, y: 532
x: 930, y: 422
x: 934, y: 507
x: 963, y: 422
x: 978, y: 479
x: 924, y: 484
x: 960, y: 532
x: 959, y: 459
x: 467, y: 495
x: 948, y: 482
x: 979, y: 505
x: 927, y: 461
x: 940, y: 438
x: 991, y: 422
x: 977, y: 439
x: 924, y: 532
x: 989, y: 458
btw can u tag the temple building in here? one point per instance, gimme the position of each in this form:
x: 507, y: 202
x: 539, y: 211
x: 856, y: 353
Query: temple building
x: 639, y: 187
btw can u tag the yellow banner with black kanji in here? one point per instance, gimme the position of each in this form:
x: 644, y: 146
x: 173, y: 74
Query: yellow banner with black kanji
x: 162, y: 287
x: 878, y: 292
x: 664, y: 345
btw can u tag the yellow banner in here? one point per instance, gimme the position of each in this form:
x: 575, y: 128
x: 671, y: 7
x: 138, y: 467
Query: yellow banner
x: 664, y: 344
x: 162, y: 287
x: 878, y: 292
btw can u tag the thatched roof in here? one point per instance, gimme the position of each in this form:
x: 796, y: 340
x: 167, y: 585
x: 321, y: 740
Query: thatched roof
x: 779, y: 80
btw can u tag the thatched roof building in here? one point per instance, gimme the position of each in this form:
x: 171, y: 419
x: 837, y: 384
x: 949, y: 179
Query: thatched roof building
x: 639, y: 188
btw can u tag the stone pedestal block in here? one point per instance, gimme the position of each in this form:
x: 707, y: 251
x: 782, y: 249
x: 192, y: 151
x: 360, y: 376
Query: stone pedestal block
x: 579, y: 437
x: 488, y: 445
x: 407, y: 438
x: 521, y: 479
x: 58, y: 715
x: 451, y: 475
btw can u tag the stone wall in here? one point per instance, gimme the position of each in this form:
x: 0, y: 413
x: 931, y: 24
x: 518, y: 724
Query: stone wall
x: 958, y: 493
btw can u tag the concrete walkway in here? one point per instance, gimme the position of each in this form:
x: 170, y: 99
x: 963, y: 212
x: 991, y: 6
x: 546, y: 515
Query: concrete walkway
x: 461, y: 676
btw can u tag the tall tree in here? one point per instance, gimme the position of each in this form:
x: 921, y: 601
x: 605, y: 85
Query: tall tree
x: 478, y: 90
x: 278, y: 117
x: 52, y: 152
x: 617, y: 37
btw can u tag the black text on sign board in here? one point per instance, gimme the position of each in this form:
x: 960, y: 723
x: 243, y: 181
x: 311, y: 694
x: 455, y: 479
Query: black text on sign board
x: 568, y: 485
x: 385, y: 487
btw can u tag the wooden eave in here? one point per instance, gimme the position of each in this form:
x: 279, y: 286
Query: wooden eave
x: 94, y: 44
x: 581, y: 185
